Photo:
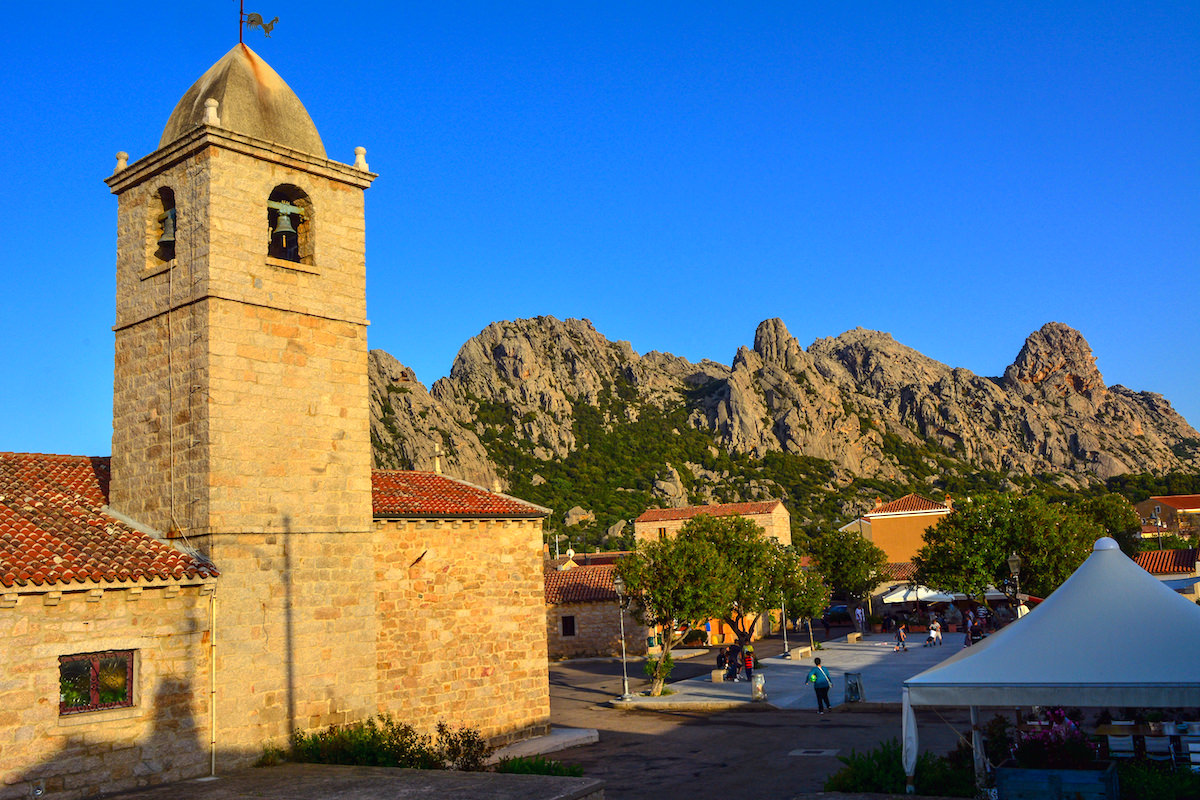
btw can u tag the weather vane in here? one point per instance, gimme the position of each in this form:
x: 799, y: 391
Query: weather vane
x: 253, y: 21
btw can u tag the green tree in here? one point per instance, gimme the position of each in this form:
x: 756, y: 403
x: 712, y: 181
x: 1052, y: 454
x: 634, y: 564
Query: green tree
x: 968, y: 551
x: 672, y: 581
x: 762, y: 568
x: 805, y: 593
x: 1118, y: 518
x: 851, y: 565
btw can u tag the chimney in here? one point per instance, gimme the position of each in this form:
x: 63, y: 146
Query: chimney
x: 878, y: 504
x: 949, y: 501
x: 437, y: 459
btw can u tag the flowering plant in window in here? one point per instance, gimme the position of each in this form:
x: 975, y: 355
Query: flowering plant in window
x: 1061, y: 745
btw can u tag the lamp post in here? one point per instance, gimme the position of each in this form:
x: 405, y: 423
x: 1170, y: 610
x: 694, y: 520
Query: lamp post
x: 619, y: 586
x: 1014, y: 566
x: 787, y: 653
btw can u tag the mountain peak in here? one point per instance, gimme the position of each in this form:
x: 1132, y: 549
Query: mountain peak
x: 1055, y: 359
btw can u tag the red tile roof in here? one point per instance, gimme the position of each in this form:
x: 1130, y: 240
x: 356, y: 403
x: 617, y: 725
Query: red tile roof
x: 717, y: 510
x: 899, y: 571
x: 909, y: 504
x: 1167, y: 562
x: 1180, y: 502
x: 580, y: 584
x: 400, y: 493
x: 53, y: 529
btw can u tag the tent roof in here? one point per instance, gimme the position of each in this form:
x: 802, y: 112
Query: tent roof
x: 1112, y: 634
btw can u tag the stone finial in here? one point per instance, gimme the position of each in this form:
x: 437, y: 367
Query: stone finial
x: 360, y: 158
x: 437, y: 449
x: 122, y: 161
x: 210, y: 112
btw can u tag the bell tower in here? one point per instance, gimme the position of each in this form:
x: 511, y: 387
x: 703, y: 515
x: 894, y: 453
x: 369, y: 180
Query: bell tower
x: 240, y: 387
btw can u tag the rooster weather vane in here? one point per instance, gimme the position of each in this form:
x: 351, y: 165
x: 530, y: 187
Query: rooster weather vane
x: 253, y: 21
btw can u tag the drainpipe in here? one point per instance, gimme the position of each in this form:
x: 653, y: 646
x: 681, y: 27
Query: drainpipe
x: 212, y: 681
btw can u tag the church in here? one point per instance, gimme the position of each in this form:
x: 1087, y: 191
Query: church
x: 236, y: 570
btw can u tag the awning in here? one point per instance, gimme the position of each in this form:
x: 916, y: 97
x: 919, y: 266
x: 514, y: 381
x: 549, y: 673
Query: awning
x: 1182, y: 584
x: 915, y: 594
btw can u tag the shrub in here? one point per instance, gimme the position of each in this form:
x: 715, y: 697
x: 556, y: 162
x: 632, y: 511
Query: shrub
x: 537, y: 765
x: 881, y: 770
x: 1141, y: 781
x: 383, y: 742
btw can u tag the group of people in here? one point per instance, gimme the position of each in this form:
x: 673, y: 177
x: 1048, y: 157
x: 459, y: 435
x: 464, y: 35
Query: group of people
x: 737, y: 661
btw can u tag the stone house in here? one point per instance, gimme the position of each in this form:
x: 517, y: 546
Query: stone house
x: 582, y: 615
x: 236, y: 570
x: 771, y: 515
x: 898, y: 527
x: 1178, y: 569
x: 1178, y: 514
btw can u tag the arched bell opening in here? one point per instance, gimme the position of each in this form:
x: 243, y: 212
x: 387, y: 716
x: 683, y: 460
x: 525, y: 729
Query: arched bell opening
x: 290, y: 225
x: 163, y: 225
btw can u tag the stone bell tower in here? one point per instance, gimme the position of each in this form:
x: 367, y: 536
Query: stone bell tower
x: 240, y: 388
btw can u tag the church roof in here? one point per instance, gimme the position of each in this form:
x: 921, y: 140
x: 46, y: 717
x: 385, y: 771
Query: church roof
x: 425, y: 495
x: 54, y: 528
x: 252, y: 100
x: 715, y: 510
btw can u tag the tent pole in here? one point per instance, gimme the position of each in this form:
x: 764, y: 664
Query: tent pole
x: 908, y: 725
x: 977, y: 748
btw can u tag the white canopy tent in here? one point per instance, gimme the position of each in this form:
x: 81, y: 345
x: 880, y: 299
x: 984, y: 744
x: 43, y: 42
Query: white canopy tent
x: 1111, y: 635
x: 910, y: 594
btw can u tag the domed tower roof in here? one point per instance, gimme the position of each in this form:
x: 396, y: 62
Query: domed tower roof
x: 253, y: 100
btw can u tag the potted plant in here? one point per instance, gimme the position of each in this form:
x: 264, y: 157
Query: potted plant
x: 1057, y: 758
x: 876, y: 623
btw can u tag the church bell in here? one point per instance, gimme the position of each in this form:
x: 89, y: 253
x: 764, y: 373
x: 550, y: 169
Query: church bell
x: 168, y: 229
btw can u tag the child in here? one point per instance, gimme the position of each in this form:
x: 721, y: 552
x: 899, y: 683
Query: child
x: 901, y: 639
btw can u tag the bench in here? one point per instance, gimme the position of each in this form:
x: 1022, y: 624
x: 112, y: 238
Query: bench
x: 801, y: 652
x: 853, y: 637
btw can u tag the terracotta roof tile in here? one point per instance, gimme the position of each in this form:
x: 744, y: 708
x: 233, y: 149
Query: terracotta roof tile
x: 53, y: 529
x: 717, y: 510
x: 910, y: 503
x: 580, y: 584
x: 1180, y: 502
x: 900, y: 571
x: 401, y: 493
x: 1167, y: 562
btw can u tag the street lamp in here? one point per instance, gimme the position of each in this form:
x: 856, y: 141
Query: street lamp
x: 787, y: 653
x: 1014, y: 566
x: 619, y: 586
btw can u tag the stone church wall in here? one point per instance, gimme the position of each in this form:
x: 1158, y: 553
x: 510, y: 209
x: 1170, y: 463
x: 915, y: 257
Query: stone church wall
x: 462, y: 625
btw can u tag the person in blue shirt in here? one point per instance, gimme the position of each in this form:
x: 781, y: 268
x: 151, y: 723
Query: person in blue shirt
x: 821, y: 682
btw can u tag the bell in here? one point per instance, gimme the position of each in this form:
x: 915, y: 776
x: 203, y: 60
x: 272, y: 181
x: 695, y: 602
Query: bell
x: 168, y: 226
x: 283, y: 225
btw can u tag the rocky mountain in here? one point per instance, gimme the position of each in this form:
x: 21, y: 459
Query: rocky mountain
x: 859, y: 406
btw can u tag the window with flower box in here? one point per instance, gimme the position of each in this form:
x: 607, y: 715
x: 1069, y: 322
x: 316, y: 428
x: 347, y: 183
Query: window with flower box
x: 95, y: 681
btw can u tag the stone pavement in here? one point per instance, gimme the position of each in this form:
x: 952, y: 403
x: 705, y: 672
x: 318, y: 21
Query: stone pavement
x: 883, y: 674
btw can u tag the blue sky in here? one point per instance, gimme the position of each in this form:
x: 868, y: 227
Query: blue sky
x: 956, y: 174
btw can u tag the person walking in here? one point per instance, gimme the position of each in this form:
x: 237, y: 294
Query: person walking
x: 901, y: 638
x: 821, y: 682
x: 935, y: 631
x: 860, y: 620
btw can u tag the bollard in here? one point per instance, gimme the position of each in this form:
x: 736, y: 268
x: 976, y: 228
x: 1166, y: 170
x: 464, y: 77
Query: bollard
x: 758, y: 687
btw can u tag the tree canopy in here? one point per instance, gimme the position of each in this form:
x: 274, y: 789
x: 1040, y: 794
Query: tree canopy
x: 968, y: 550
x: 675, y: 580
x: 850, y: 564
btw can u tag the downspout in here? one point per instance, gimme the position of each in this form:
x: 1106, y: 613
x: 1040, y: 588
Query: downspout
x: 212, y: 681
